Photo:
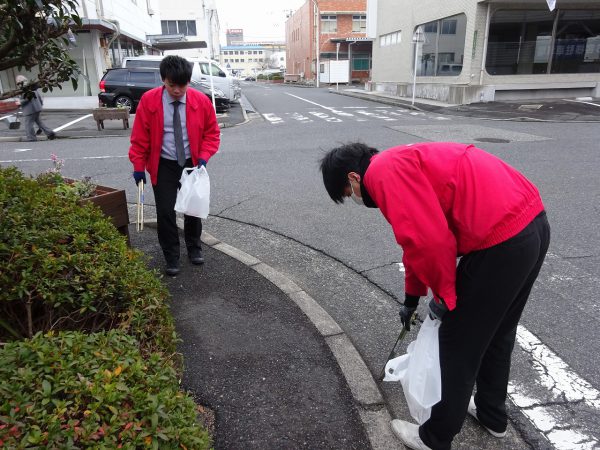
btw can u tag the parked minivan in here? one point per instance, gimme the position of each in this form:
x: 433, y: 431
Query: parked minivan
x: 221, y: 79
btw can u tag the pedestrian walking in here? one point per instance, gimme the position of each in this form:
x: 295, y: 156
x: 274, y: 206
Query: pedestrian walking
x: 175, y: 127
x: 444, y: 201
x: 31, y: 106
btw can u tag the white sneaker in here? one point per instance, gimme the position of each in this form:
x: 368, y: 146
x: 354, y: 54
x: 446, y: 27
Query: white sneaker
x: 472, y: 410
x: 408, y: 433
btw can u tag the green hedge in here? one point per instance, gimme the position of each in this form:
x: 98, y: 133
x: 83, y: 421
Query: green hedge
x: 65, y: 267
x: 76, y: 390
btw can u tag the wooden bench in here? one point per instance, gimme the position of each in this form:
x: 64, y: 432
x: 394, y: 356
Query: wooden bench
x: 102, y: 114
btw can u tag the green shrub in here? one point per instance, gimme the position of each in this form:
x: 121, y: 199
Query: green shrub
x: 64, y: 266
x: 276, y: 76
x: 75, y: 390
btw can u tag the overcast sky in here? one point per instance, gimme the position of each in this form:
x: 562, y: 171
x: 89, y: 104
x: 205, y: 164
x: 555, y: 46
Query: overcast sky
x: 261, y: 20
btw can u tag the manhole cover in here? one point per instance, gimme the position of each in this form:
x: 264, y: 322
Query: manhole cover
x: 492, y: 140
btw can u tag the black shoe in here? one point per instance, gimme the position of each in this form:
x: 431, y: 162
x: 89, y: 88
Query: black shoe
x: 195, y: 255
x: 172, y: 268
x: 52, y: 136
x: 38, y: 132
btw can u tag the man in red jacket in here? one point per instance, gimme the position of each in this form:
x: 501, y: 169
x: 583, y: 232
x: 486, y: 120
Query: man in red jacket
x: 443, y: 201
x: 174, y: 127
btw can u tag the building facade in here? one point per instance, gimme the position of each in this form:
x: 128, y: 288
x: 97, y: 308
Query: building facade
x: 252, y: 58
x: 110, y: 31
x: 483, y: 50
x: 329, y: 29
x: 189, y: 28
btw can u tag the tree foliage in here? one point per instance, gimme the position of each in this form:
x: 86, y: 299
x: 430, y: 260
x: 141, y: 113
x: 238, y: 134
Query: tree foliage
x: 34, y: 33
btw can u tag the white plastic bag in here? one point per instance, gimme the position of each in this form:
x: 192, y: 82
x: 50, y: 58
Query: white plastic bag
x: 419, y: 371
x: 193, y: 198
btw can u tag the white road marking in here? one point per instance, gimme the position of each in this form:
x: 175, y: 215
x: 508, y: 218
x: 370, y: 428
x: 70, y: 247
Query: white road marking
x: 19, y: 150
x: 300, y: 118
x: 324, y: 116
x: 272, y: 118
x: 377, y: 116
x: 579, y: 101
x: 69, y: 159
x: 6, y: 117
x: 563, y: 384
x: 62, y: 127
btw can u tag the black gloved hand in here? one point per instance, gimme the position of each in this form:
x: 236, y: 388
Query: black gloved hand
x: 201, y: 163
x: 408, y: 310
x: 139, y: 176
x: 437, y: 309
x: 406, y: 314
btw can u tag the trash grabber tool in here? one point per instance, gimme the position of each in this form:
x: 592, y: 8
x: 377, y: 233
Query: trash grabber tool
x: 400, y: 337
x: 140, y: 207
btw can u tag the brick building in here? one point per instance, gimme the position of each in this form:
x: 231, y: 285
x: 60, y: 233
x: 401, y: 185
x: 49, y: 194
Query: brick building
x: 341, y: 35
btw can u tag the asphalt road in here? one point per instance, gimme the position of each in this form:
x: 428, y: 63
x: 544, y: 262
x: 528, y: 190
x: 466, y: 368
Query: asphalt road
x: 269, y: 201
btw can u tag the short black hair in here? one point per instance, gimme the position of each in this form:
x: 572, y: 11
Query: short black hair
x: 176, y: 69
x: 338, y: 162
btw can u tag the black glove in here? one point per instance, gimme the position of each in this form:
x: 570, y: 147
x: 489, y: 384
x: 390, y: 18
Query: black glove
x: 437, y: 309
x: 139, y: 176
x: 408, y: 310
x: 201, y: 163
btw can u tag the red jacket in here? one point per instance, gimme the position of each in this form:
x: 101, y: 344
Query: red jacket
x: 147, y: 135
x: 445, y: 200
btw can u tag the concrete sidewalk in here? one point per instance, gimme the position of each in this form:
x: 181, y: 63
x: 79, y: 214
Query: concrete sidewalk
x: 544, y: 110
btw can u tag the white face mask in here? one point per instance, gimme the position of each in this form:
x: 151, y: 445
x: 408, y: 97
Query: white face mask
x: 358, y: 200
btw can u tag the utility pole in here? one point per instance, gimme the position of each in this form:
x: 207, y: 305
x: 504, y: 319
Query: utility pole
x: 317, y: 41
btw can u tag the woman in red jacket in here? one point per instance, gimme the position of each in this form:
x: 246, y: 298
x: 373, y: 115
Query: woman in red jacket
x: 443, y: 201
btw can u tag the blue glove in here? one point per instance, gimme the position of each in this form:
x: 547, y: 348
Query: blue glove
x: 139, y: 176
x: 437, y: 309
x: 201, y: 163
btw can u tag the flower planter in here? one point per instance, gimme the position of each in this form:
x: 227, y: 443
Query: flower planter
x: 113, y: 204
x: 102, y: 114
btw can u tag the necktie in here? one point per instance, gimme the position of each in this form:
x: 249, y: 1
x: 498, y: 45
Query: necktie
x: 177, y: 131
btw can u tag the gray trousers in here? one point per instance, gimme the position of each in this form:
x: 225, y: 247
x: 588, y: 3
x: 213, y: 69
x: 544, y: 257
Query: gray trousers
x: 29, y: 121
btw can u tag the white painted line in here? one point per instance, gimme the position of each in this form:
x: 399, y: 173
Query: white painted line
x: 69, y: 159
x: 273, y: 118
x: 62, y: 127
x: 19, y: 150
x: 579, y: 101
x: 555, y: 374
x: 6, y: 117
x: 324, y: 116
x: 307, y: 101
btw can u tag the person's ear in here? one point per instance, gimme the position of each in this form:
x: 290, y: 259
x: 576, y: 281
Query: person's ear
x: 353, y: 176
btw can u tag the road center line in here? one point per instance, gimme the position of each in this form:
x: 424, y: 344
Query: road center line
x: 62, y: 127
x: 308, y: 101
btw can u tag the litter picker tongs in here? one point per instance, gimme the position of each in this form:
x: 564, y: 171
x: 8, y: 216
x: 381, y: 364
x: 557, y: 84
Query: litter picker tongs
x: 400, y: 337
x: 140, y: 207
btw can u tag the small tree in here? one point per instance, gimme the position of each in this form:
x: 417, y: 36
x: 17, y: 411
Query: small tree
x: 33, y: 34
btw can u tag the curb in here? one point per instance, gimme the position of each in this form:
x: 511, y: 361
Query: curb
x: 372, y: 408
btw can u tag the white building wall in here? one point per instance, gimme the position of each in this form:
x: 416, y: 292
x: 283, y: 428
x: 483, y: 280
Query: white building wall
x: 393, y: 64
x: 205, y: 14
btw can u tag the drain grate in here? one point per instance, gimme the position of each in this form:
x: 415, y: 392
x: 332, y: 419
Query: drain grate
x: 492, y: 140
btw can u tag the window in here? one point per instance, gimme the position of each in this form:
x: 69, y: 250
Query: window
x: 142, y: 77
x: 116, y: 75
x: 449, y: 26
x: 148, y: 64
x: 226, y: 60
x: 442, y: 51
x: 360, y: 62
x: 328, y: 24
x: 359, y: 24
x: 540, y: 42
x: 390, y: 39
x: 185, y: 27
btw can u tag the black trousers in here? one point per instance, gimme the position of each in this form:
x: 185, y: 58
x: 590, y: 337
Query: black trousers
x: 165, y: 194
x: 477, y: 337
